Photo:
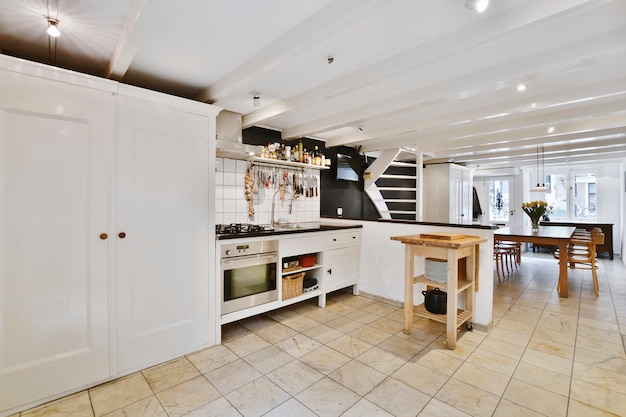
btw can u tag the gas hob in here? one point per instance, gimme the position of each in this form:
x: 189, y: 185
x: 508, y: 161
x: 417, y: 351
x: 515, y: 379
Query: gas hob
x: 239, y: 229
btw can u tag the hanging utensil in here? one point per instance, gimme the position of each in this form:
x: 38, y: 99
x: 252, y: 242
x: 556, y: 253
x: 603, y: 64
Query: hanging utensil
x: 296, y: 186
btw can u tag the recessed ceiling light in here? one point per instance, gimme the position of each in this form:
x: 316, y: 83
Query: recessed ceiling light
x: 477, y: 5
x: 521, y: 87
x: 550, y: 129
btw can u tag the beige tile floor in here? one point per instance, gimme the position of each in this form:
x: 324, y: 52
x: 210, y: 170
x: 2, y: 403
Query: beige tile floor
x: 545, y: 356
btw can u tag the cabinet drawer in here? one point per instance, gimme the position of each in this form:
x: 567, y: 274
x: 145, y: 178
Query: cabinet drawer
x: 352, y: 237
x: 301, y: 245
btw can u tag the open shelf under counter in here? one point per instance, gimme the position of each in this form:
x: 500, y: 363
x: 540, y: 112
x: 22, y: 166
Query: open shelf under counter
x: 301, y: 269
x: 304, y: 296
x: 462, y: 316
x: 462, y: 284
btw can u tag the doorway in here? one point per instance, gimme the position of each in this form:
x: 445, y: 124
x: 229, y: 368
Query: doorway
x: 501, y: 205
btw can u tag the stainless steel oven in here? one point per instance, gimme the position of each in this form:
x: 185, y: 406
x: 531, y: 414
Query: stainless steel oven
x: 249, y: 274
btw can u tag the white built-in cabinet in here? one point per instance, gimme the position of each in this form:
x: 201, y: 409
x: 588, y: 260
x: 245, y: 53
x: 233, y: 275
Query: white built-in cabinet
x: 161, y: 210
x: 55, y: 148
x: 447, y: 193
x: 104, y: 250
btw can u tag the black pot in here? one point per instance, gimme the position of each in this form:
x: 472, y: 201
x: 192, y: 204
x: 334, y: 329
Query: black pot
x: 435, y: 301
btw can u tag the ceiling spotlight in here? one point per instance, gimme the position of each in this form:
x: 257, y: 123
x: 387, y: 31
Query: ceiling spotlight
x: 521, y: 87
x: 550, y: 129
x: 478, y: 6
x: 256, y: 98
x: 53, y: 29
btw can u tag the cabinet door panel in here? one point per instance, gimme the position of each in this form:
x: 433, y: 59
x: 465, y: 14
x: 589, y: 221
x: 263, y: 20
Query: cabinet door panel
x: 53, y: 265
x: 162, y: 207
x: 341, y: 266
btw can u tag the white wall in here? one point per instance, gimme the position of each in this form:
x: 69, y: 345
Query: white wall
x: 231, y: 205
x: 609, y: 195
x: 622, y: 192
x: 382, y: 263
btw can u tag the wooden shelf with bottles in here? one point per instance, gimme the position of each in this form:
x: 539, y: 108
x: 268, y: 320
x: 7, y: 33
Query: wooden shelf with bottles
x: 279, y: 162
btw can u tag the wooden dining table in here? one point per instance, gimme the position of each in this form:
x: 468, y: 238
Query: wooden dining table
x: 553, y: 235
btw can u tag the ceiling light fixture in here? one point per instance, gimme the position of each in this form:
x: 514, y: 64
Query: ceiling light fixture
x: 540, y: 188
x: 550, y: 129
x: 478, y: 6
x: 522, y: 87
x: 53, y: 27
x: 256, y: 98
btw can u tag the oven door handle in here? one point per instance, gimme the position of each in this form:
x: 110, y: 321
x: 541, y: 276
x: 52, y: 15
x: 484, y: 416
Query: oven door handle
x: 249, y: 260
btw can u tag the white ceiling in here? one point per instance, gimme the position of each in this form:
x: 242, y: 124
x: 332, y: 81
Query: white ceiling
x: 428, y: 74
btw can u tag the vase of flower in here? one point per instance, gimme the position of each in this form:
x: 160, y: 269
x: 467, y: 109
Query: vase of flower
x: 535, y: 210
x: 535, y: 226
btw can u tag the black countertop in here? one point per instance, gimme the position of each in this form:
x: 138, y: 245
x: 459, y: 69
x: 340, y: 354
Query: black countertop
x: 305, y: 227
x: 467, y: 226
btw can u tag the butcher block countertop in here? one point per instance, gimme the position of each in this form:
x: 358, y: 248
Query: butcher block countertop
x: 441, y: 240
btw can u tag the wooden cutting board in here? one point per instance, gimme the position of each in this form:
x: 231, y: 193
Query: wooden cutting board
x: 442, y: 236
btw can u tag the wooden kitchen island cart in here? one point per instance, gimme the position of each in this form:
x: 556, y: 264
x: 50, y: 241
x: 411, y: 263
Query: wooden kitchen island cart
x: 452, y: 248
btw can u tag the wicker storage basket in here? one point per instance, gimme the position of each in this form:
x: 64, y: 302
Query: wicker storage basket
x: 292, y: 285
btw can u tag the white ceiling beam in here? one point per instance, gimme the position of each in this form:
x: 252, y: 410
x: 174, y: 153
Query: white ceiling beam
x: 450, y: 91
x: 142, y: 19
x: 514, y: 132
x: 437, y: 60
x: 600, y: 157
x: 568, y: 139
x: 466, y: 39
x: 569, y: 118
x: 329, y: 20
x: 604, y: 144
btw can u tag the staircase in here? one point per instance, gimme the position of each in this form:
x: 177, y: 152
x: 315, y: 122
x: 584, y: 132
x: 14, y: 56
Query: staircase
x: 393, y: 183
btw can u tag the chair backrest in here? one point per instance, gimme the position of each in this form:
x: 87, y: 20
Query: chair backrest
x: 597, y: 236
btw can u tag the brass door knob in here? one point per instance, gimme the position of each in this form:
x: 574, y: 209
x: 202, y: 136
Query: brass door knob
x: 122, y: 235
x: 103, y: 236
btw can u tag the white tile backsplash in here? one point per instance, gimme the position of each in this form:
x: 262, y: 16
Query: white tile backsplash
x: 231, y: 205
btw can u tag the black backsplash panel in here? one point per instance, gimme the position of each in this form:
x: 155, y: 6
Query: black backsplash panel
x: 348, y: 195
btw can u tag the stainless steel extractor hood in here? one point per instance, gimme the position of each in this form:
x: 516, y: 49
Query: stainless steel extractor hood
x: 229, y: 143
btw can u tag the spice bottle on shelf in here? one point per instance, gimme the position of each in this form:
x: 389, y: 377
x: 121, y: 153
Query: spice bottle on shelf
x: 317, y: 158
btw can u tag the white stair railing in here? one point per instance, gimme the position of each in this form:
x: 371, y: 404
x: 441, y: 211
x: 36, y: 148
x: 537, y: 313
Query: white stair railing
x: 380, y: 170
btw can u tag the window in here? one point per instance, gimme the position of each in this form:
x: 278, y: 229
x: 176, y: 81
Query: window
x: 584, y: 195
x: 572, y: 195
x: 499, y: 200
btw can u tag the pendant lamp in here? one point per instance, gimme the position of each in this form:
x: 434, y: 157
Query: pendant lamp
x: 540, y: 188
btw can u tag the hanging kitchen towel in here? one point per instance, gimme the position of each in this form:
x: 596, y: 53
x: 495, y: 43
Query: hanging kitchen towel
x: 476, y: 210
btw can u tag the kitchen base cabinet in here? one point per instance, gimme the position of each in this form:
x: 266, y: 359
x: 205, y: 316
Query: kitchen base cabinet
x: 341, y: 260
x: 55, y: 155
x: 336, y: 266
